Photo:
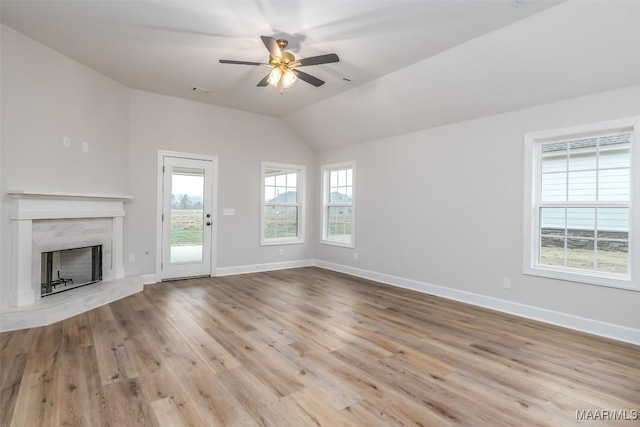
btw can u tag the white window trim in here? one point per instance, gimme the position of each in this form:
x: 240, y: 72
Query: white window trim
x: 301, y: 205
x: 324, y: 176
x: 530, y: 217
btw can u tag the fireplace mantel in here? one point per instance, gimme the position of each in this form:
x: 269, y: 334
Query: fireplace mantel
x: 60, y: 195
x: 29, y: 206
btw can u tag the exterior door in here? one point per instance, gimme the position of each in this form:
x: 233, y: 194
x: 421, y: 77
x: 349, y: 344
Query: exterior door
x: 187, y: 217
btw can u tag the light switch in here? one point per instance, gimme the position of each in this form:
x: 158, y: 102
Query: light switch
x: 228, y: 211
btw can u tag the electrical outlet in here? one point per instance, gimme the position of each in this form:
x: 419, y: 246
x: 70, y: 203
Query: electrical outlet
x: 85, y: 147
x: 281, y: 251
x: 506, y: 283
x: 355, y: 255
x: 132, y: 257
x: 66, y: 142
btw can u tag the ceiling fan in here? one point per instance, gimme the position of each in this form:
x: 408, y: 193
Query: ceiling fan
x: 285, y: 66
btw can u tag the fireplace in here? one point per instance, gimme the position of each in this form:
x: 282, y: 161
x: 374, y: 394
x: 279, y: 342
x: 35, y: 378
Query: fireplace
x: 88, y: 227
x: 67, y: 269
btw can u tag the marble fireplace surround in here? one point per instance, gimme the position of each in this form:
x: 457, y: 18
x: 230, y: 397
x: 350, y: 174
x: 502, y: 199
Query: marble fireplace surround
x: 51, y: 221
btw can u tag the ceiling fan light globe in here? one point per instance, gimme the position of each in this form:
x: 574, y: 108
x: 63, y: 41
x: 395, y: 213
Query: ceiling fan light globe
x: 288, y: 79
x: 274, y: 76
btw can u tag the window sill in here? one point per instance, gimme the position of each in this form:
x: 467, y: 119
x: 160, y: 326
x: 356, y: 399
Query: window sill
x: 276, y: 242
x: 579, y: 276
x: 336, y: 243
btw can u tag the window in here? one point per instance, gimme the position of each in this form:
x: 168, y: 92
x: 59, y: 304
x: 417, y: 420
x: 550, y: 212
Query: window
x: 581, y: 184
x: 282, y: 211
x: 338, y: 215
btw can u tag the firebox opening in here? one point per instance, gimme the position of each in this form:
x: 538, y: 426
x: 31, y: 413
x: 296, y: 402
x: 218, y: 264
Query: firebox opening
x: 70, y: 268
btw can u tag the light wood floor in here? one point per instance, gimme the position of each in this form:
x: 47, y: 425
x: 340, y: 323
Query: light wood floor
x: 308, y: 347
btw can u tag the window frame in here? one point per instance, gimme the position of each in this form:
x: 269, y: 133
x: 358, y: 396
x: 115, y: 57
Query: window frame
x: 325, y: 171
x: 532, y: 201
x: 300, y: 204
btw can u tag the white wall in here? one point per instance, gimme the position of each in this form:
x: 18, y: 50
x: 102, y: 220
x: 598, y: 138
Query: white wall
x: 415, y: 191
x: 444, y: 207
x: 46, y: 96
x: 241, y: 141
x: 541, y: 59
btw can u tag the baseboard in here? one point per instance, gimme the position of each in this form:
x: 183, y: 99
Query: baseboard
x: 595, y: 327
x: 150, y: 279
x: 257, y: 268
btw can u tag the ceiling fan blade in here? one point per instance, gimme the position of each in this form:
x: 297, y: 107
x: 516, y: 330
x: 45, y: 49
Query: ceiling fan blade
x: 308, y: 78
x: 272, y: 46
x: 264, y: 82
x: 229, y: 61
x: 316, y: 60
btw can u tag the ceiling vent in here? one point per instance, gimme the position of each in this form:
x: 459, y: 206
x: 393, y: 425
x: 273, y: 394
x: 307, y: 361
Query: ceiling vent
x: 341, y: 81
x: 200, y: 90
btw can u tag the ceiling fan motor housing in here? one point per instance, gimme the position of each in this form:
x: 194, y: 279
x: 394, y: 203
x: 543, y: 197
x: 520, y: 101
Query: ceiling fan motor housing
x: 286, y: 58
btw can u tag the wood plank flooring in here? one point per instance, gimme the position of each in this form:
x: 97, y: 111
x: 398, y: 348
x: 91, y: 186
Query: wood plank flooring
x: 309, y: 347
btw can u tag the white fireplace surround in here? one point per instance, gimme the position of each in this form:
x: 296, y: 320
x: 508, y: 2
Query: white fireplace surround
x: 48, y: 220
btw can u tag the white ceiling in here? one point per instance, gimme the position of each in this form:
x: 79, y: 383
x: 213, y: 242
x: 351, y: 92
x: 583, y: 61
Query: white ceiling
x: 415, y: 64
x: 574, y: 49
x: 170, y: 46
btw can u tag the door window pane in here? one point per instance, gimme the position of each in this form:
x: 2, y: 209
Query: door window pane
x: 187, y: 218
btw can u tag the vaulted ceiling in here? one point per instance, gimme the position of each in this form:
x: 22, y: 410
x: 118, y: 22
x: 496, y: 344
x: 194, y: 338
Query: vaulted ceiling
x: 411, y: 64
